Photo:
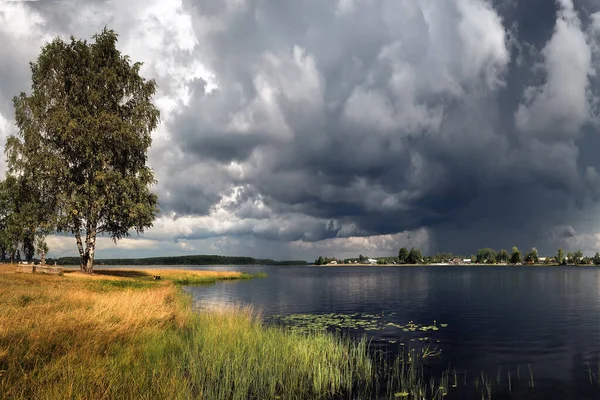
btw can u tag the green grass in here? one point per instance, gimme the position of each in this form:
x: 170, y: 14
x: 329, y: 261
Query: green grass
x: 107, y: 285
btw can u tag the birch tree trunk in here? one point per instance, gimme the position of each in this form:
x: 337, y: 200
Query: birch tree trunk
x: 90, y: 249
x: 82, y: 261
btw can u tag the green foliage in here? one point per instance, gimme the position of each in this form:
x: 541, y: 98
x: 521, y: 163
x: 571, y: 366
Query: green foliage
x: 532, y: 257
x: 486, y: 255
x: 502, y: 256
x: 19, y: 220
x: 597, y: 259
x: 560, y: 256
x: 324, y: 260
x: 104, y: 285
x: 578, y: 257
x: 443, y: 257
x: 403, y: 255
x: 515, y: 256
x: 414, y: 256
x: 428, y: 259
x: 28, y: 246
x: 84, y: 132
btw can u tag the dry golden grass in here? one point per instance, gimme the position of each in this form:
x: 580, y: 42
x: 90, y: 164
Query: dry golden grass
x: 57, y: 319
x: 37, y: 307
x: 76, y: 302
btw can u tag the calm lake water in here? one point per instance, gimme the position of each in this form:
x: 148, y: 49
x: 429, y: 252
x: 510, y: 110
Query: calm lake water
x: 499, y: 318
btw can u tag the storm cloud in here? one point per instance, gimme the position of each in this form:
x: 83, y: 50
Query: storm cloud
x: 292, y: 129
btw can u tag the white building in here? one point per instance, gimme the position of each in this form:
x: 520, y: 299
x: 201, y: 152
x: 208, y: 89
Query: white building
x: 466, y: 261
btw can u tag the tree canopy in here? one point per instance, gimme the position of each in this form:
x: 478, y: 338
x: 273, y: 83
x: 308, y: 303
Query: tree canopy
x: 560, y: 256
x: 532, y: 256
x: 82, y: 142
x: 402, y: 255
x: 414, y: 256
x: 502, y: 256
x: 486, y: 255
x: 515, y: 256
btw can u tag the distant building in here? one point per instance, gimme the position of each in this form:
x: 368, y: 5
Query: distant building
x: 466, y: 261
x: 333, y: 262
x: 542, y: 259
x: 372, y: 261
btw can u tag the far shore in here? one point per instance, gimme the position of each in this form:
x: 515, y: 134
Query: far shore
x: 452, y: 265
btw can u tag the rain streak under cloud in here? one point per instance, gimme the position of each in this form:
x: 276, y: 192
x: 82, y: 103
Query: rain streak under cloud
x: 292, y: 129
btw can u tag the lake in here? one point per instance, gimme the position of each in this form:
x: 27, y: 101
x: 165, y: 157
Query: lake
x: 500, y: 320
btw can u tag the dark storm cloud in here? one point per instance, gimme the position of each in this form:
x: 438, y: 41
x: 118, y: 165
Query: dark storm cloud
x: 387, y: 117
x: 472, y: 123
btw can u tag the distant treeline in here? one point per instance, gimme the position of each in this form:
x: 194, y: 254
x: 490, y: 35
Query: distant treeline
x: 483, y: 256
x: 184, y: 260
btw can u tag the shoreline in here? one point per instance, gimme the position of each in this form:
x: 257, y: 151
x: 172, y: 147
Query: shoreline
x: 454, y: 265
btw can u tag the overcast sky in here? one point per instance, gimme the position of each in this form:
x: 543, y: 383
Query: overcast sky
x: 292, y: 129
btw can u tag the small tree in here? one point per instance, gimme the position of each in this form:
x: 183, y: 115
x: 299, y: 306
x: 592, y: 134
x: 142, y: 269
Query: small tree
x: 577, y: 257
x: 569, y: 258
x: 532, y: 257
x: 15, y: 218
x: 28, y: 246
x: 597, y: 259
x: 402, y: 255
x: 502, y: 256
x: 414, y: 256
x: 515, y: 256
x: 486, y: 255
x: 560, y: 256
x: 83, y: 137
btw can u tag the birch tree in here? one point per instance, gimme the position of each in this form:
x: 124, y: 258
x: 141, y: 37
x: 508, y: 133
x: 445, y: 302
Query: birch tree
x: 82, y: 142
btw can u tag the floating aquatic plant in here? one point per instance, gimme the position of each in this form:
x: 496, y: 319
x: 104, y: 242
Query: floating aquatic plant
x: 354, y: 321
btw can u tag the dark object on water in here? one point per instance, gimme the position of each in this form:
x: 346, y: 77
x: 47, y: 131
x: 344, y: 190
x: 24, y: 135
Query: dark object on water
x: 157, y: 277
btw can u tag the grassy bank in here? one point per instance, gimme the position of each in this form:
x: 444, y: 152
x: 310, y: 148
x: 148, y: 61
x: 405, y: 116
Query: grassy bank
x: 122, y: 334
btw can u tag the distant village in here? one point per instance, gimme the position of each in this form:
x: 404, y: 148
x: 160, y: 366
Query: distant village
x: 484, y: 256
